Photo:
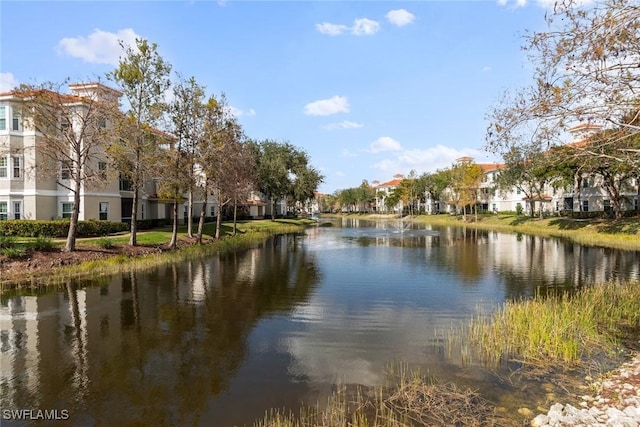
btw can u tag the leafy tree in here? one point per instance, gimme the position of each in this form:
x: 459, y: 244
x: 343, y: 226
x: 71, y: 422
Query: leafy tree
x: 73, y: 134
x: 220, y: 158
x: 436, y: 183
x: 178, y: 175
x: 143, y: 77
x: 466, y: 177
x: 529, y: 171
x: 283, y: 171
x: 365, y: 195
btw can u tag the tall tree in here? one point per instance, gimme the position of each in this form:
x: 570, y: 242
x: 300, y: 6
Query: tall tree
x: 466, y: 177
x: 73, y: 132
x: 586, y: 70
x: 530, y: 171
x: 143, y: 77
x: 186, y: 114
x: 436, y: 183
x: 283, y: 172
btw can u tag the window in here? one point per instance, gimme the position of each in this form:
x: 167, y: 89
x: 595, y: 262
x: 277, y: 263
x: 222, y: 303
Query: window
x: 607, y: 205
x: 102, y: 122
x: 125, y: 183
x: 3, y: 211
x: 17, y: 210
x: 65, y: 170
x: 585, y: 206
x: 3, y: 167
x: 102, y: 170
x: 15, y: 122
x: 3, y: 118
x: 142, y: 211
x: 518, y: 191
x: 67, y: 208
x: 104, y: 211
x: 17, y: 166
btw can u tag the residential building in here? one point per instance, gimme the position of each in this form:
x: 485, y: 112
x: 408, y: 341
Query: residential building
x: 384, y: 190
x: 27, y: 191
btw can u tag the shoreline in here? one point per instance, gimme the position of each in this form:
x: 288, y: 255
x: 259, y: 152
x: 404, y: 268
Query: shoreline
x: 615, y: 402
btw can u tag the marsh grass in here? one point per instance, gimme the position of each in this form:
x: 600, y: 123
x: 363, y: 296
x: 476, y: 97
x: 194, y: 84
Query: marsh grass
x: 559, y: 328
x: 410, y: 400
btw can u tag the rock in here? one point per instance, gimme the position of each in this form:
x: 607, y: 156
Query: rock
x: 540, y: 420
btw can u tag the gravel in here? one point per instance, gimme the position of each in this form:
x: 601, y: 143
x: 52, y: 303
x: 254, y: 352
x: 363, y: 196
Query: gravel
x: 616, y: 402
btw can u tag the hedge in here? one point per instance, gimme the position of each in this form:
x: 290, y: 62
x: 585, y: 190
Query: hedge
x: 59, y: 228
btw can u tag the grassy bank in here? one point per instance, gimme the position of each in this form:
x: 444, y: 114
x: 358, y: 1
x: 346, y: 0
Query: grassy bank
x: 623, y: 234
x: 560, y: 328
x: 249, y: 234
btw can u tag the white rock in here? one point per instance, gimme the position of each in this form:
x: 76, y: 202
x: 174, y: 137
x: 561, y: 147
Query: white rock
x: 540, y: 421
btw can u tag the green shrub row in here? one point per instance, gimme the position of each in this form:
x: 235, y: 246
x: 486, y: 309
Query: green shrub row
x: 59, y: 228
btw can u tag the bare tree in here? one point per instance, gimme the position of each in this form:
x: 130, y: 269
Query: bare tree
x: 72, y: 134
x: 586, y: 71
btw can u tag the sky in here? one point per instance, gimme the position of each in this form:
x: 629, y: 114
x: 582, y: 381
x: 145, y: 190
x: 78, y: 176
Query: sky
x: 368, y: 89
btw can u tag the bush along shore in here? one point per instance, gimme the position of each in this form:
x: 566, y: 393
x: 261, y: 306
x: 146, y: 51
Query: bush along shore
x: 36, y: 263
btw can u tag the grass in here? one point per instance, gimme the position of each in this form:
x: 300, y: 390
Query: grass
x: 560, y: 328
x: 410, y: 400
x: 623, y: 234
x: 249, y: 234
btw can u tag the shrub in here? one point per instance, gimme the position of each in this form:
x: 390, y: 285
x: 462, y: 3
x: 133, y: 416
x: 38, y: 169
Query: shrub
x: 42, y: 243
x: 7, y: 242
x: 105, y: 243
x: 12, y: 252
x: 59, y: 228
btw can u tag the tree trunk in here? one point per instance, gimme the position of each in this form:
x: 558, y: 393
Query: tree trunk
x: 133, y: 241
x: 73, y: 223
x: 190, y: 214
x: 273, y: 210
x: 235, y: 218
x: 203, y: 214
x: 219, y: 220
x: 173, y: 244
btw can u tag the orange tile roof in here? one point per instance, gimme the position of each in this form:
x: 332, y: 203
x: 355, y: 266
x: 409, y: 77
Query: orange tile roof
x: 392, y: 183
x: 486, y: 167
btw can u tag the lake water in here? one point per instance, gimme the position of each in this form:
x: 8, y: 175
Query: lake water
x: 218, y: 341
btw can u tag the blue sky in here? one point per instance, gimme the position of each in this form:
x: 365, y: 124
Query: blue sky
x: 368, y: 88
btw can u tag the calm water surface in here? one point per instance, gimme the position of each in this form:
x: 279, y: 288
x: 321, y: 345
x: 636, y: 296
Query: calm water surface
x: 221, y: 340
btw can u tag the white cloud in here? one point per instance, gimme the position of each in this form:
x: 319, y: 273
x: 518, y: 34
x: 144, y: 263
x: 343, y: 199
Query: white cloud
x: 7, y: 82
x: 425, y: 160
x: 331, y: 29
x: 100, y: 47
x: 346, y: 124
x: 400, y: 17
x: 384, y: 143
x: 237, y: 112
x: 365, y: 27
x: 360, y: 27
x: 347, y: 153
x: 327, y: 107
x: 485, y: 69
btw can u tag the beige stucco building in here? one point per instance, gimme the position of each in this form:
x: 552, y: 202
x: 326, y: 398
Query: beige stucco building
x: 31, y: 188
